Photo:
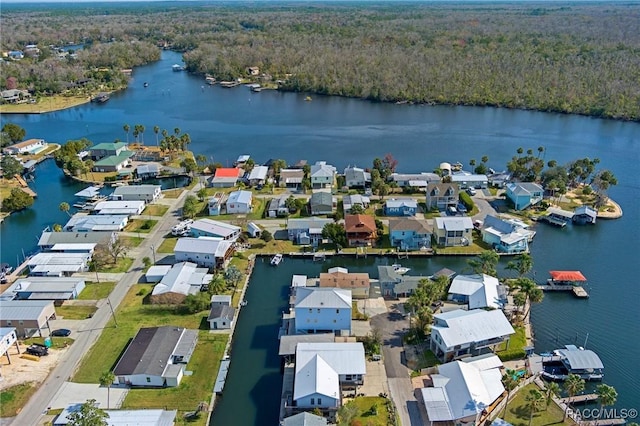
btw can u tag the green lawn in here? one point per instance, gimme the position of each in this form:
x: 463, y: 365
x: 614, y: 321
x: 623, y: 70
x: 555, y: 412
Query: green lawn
x: 75, y: 312
x: 167, y: 245
x: 56, y: 342
x: 518, y: 414
x: 123, y: 265
x: 140, y: 225
x: 155, y: 210
x: 14, y: 398
x: 515, y: 350
x: 96, y: 291
x: 172, y: 193
x: 370, y: 411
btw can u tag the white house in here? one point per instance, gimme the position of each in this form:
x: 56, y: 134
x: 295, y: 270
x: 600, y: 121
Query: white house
x: 82, y: 222
x: 322, y: 175
x: 258, y: 175
x: 254, y: 230
x: 356, y: 177
x: 462, y: 390
x: 156, y: 357
x: 221, y: 314
x: 58, y: 264
x: 8, y: 338
x: 477, y: 291
x: 111, y: 207
x: 306, y: 231
x: 322, y: 309
x: 183, y: 279
x: 149, y: 417
x: 155, y: 273
x: 239, y: 202
x: 45, y: 288
x: 214, y: 228
x: 146, y: 193
x: 453, y: 231
x: 25, y: 147
x: 208, y: 252
x: 460, y: 333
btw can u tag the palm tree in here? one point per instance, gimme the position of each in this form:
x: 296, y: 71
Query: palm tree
x: 607, y: 395
x: 553, y: 389
x: 485, y: 263
x: 106, y: 379
x: 176, y: 130
x: 126, y: 128
x: 141, y: 128
x: 540, y: 150
x: 509, y: 382
x: 522, y: 264
x: 156, y: 130
x: 64, y: 207
x: 535, y: 402
x: 484, y: 159
x: 573, y: 385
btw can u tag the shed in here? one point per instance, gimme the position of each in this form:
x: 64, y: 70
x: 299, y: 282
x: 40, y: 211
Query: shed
x: 254, y: 230
x: 155, y: 273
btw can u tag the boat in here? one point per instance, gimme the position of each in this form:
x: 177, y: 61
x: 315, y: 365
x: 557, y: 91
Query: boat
x: 308, y: 98
x: 177, y: 67
x: 399, y: 269
x: 100, y: 98
x: 275, y: 260
x: 557, y: 366
x: 146, y: 84
x: 243, y: 303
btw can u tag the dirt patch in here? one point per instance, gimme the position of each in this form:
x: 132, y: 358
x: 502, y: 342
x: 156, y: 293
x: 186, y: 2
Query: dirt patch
x: 22, y: 370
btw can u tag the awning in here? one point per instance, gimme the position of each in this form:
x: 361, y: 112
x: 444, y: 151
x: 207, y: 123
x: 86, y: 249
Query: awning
x: 567, y: 276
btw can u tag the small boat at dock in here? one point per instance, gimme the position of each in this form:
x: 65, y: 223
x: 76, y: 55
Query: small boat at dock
x: 557, y: 365
x: 399, y: 269
x: 275, y: 260
x: 177, y: 67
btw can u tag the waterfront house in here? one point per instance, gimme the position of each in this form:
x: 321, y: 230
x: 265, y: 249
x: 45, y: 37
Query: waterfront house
x: 221, y: 300
x: 415, y: 180
x: 304, y: 419
x: 56, y: 289
x: 30, y: 146
x: 322, y: 309
x: 499, y: 179
x: 9, y: 338
x: 146, y: 193
x: 394, y: 285
x: 15, y: 96
x: 83, y: 248
x: 361, y: 230
x: 322, y: 175
x: 183, y: 279
x: 208, y: 252
x: 348, y: 201
x: 239, y: 202
x: 356, y: 177
x: 291, y: 178
x: 82, y: 222
x: 461, y: 333
x: 462, y: 390
x: 441, y: 195
x: 306, y: 231
x: 477, y: 291
x: 504, y: 236
x: 242, y: 160
x: 357, y: 282
x: 453, y: 231
x: 28, y: 317
x: 258, y: 175
x: 156, y: 357
x: 130, y: 208
x: 583, y: 215
x: 149, y: 417
x: 214, y: 205
x: 321, y: 202
x: 467, y: 180
x: 324, y: 370
x: 277, y: 207
x: 215, y: 228
x: 225, y: 177
x: 409, y: 234
x: 148, y: 171
x: 49, y: 239
x: 400, y: 207
x: 113, y: 163
x: 524, y: 194
x: 58, y: 264
x: 107, y: 149
x: 253, y: 71
x: 221, y: 314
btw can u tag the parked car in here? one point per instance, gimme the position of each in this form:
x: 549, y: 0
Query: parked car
x: 461, y: 208
x: 61, y: 332
x: 471, y: 191
x: 38, y: 350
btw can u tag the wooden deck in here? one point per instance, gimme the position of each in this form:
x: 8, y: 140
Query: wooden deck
x: 25, y: 187
x: 577, y: 291
x: 581, y: 399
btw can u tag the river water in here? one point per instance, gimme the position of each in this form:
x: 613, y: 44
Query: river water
x: 224, y: 123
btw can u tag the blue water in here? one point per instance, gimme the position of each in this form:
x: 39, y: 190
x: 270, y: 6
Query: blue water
x: 224, y: 123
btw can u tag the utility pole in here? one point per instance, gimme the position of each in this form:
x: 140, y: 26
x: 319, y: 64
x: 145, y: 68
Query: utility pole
x: 113, y: 314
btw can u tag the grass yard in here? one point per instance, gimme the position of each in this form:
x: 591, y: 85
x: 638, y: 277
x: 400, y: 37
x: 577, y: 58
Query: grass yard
x: 131, y: 316
x: 518, y: 414
x: 172, y: 193
x: 156, y: 210
x: 140, y: 225
x: 131, y: 241
x: 167, y: 245
x: 14, y: 398
x: 56, y: 342
x: 96, y: 291
x: 45, y: 104
x: 122, y: 265
x: 75, y: 312
x: 370, y: 411
x: 517, y: 343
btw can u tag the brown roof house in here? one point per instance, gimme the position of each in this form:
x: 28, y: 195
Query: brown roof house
x: 358, y: 283
x: 361, y: 230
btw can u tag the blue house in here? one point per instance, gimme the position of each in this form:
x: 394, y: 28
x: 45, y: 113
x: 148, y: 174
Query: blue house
x: 524, y: 194
x: 505, y: 237
x: 409, y: 234
x: 401, y: 207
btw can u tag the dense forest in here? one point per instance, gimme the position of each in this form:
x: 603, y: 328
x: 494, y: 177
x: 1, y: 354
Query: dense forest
x: 576, y: 57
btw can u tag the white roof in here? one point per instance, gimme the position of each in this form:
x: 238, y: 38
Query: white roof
x: 24, y: 309
x: 243, y: 158
x: 299, y: 281
x: 58, y: 262
x: 344, y: 358
x: 401, y: 202
x: 481, y: 289
x: 258, y: 172
x: 157, y: 270
x: 44, y: 285
x: 321, y: 169
x: 307, y: 223
x: 97, y: 222
x: 77, y: 247
x: 315, y: 376
x: 119, y: 204
x: 338, y: 269
x: 240, y: 197
x: 459, y: 327
x: 215, y: 227
x: 581, y: 359
x: 461, y: 390
x: 454, y: 223
x: 137, y: 189
x: 323, y: 297
x: 203, y: 245
x: 147, y: 417
x: 221, y: 298
x: 88, y: 192
x: 183, y: 278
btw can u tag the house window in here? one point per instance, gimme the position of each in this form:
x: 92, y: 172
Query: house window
x: 21, y: 322
x: 148, y: 379
x: 318, y: 310
x: 313, y: 401
x: 337, y: 311
x: 310, y: 310
x: 8, y: 322
x: 319, y: 401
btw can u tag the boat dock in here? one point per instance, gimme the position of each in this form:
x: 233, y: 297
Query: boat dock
x: 552, y: 221
x: 581, y: 399
x: 229, y: 84
x: 25, y: 187
x: 577, y: 290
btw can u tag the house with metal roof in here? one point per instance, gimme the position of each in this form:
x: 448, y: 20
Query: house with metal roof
x: 584, y: 215
x: 410, y: 233
x: 25, y: 147
x: 146, y: 193
x: 291, y: 178
x: 400, y: 207
x: 28, y: 317
x: 278, y: 207
x: 358, y: 282
x: 225, y: 177
x: 106, y: 149
x: 322, y: 202
x: 204, y: 251
x: 8, y: 339
x: 214, y: 228
x: 49, y: 239
x: 146, y: 417
x: 240, y: 202
x: 82, y: 222
x: 460, y: 333
x: 469, y: 180
x: 453, y: 231
x: 477, y: 291
x: 130, y: 208
x: 404, y: 180
x: 156, y: 357
x: 524, y: 194
x: 348, y: 201
x: 319, y: 309
x: 304, y: 419
x: 306, y: 231
x: 394, y: 285
x: 113, y: 163
x: 51, y: 264
x: 258, y: 175
x: 462, y: 390
x: 155, y: 273
x: 57, y: 289
x: 441, y: 195
x: 148, y: 170
x: 355, y: 177
x: 322, y: 175
x: 183, y: 279
x: 505, y: 237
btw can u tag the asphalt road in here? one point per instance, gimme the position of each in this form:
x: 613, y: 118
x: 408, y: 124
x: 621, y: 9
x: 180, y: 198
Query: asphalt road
x: 88, y: 334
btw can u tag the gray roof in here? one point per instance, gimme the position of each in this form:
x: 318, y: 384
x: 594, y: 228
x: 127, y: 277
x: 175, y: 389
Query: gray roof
x: 321, y: 198
x: 304, y: 419
x: 288, y: 343
x: 322, y: 297
x: 221, y: 311
x: 51, y: 238
x: 222, y: 375
x: 589, y: 211
x: 498, y: 224
x: 524, y: 188
x: 581, y: 359
x: 23, y: 309
x: 454, y: 223
x: 401, y: 202
x: 146, y: 417
x: 409, y: 224
x: 136, y: 189
x: 307, y: 223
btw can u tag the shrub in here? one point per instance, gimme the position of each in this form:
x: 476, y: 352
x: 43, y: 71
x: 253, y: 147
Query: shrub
x: 266, y: 236
x: 141, y: 292
x: 467, y: 201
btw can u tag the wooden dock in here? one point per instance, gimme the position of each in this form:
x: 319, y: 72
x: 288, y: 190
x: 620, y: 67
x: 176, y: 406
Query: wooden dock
x: 603, y: 422
x: 552, y: 221
x: 577, y: 290
x: 25, y: 187
x: 581, y: 399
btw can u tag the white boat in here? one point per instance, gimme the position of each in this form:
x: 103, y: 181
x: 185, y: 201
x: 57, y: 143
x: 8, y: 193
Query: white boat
x: 275, y: 260
x: 399, y: 269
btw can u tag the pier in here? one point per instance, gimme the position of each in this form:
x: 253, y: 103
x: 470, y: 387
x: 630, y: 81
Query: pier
x: 25, y: 187
x: 577, y: 290
x: 581, y: 399
x: 552, y: 221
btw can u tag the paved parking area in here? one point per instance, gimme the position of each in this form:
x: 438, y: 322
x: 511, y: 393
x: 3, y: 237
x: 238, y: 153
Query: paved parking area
x: 375, y: 382
x: 77, y: 393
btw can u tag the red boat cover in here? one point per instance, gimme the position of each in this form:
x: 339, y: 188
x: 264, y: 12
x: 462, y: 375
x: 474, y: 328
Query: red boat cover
x: 567, y: 276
